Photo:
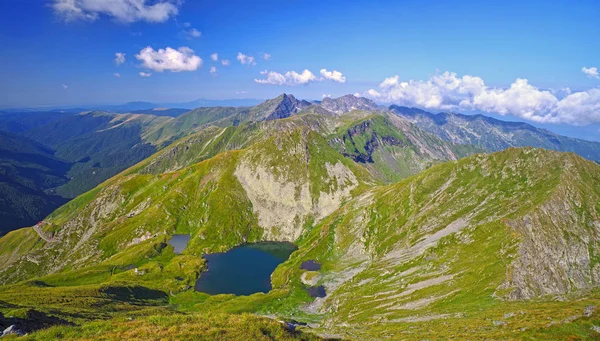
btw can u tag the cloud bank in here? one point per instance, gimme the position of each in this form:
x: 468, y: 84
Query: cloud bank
x: 182, y: 59
x: 447, y: 91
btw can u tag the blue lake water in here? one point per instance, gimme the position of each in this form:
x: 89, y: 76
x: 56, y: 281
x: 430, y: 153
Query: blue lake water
x: 179, y: 242
x: 243, y: 270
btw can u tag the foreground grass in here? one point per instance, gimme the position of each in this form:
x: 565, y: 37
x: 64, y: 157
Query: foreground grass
x: 176, y: 327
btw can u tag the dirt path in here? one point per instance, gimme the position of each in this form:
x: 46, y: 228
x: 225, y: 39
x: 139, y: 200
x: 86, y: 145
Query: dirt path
x: 42, y: 234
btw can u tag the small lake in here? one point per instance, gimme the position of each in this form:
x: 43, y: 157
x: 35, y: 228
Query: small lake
x: 243, y: 270
x: 179, y: 242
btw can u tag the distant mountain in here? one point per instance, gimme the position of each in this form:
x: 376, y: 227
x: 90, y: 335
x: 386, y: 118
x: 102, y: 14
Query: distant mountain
x: 171, y: 112
x: 348, y: 103
x: 494, y: 135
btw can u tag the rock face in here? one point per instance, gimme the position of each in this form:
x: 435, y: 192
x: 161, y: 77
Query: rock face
x: 282, y: 194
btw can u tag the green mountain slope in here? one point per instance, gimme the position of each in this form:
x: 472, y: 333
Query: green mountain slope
x: 462, y: 243
x: 269, y: 191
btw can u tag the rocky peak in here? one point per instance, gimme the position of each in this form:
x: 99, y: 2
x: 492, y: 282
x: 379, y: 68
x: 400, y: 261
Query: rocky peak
x: 347, y: 103
x: 281, y: 106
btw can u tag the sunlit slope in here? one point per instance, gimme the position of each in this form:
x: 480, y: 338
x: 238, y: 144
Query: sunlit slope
x: 460, y: 241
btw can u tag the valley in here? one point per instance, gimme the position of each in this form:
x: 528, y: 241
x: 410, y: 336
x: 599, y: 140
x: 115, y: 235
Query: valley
x: 399, y: 224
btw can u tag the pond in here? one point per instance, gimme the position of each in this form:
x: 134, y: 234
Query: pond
x: 243, y: 270
x: 179, y: 242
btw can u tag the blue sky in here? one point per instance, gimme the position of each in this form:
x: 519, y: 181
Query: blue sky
x: 62, y: 52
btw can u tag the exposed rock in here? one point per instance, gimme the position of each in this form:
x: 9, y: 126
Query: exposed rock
x: 12, y: 330
x: 347, y: 103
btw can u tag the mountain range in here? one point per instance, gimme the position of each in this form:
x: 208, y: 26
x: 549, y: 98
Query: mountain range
x: 440, y: 226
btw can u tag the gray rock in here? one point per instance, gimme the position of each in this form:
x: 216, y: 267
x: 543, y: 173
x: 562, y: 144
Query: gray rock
x: 12, y: 330
x: 589, y: 310
x: 499, y: 323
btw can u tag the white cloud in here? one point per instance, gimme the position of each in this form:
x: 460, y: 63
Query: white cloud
x: 225, y: 62
x: 245, y: 60
x: 591, y: 72
x: 447, y: 91
x: 119, y: 58
x: 356, y: 94
x: 334, y: 75
x: 65, y: 86
x: 145, y: 74
x: 389, y: 82
x: 127, y: 11
x: 116, y: 74
x: 241, y: 92
x: 289, y: 78
x: 326, y: 95
x: 193, y: 33
x: 182, y: 59
x: 372, y: 93
x: 213, y: 70
x: 214, y: 57
x: 187, y: 24
x: 266, y: 56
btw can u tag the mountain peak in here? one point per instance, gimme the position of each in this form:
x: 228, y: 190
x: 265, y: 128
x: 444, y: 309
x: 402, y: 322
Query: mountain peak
x: 347, y: 103
x: 281, y: 106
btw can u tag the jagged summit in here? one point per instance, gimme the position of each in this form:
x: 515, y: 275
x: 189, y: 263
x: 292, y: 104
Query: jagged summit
x: 281, y: 106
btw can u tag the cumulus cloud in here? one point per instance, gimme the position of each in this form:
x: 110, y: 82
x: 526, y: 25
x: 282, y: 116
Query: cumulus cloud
x: 145, y: 74
x: 591, y: 72
x: 245, y: 59
x: 214, y: 57
x: 266, y: 56
x: 213, y: 70
x: 127, y: 11
x: 326, y: 95
x: 447, y: 91
x: 119, y: 58
x: 116, y: 74
x: 182, y: 59
x: 225, y: 62
x: 334, y: 75
x: 288, y: 78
